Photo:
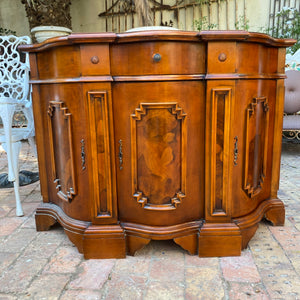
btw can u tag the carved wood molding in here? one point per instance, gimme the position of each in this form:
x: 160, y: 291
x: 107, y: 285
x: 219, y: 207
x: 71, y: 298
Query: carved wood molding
x: 61, y: 150
x: 170, y: 141
x: 257, y: 126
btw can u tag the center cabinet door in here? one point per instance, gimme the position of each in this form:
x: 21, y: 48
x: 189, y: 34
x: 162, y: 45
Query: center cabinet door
x: 159, y: 142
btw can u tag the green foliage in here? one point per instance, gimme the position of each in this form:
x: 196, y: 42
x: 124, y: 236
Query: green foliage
x: 5, y: 31
x: 203, y: 24
x: 242, y: 23
x: 288, y: 26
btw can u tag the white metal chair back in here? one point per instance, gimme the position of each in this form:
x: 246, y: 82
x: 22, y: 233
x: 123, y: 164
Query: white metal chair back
x: 14, y: 71
x: 14, y: 96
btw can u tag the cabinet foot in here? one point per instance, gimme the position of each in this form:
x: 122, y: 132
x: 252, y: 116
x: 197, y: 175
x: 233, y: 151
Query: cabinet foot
x: 276, y: 213
x: 219, y: 240
x: 43, y: 222
x: 247, y: 234
x: 135, y: 243
x: 189, y: 243
x: 47, y: 214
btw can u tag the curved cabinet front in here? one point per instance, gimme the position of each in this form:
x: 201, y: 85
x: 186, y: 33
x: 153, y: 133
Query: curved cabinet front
x: 159, y: 135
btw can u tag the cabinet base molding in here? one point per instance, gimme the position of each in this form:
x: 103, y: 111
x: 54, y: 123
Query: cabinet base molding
x: 117, y: 240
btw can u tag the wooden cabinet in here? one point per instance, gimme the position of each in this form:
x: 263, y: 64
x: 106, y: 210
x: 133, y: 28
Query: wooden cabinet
x: 159, y: 135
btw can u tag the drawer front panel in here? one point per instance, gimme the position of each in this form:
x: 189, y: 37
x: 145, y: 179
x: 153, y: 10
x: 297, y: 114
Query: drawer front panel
x: 158, y: 58
x: 95, y: 60
x: 221, y: 57
x: 61, y: 62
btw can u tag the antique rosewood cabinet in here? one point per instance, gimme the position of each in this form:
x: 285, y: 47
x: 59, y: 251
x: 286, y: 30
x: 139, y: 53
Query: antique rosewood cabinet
x: 159, y: 135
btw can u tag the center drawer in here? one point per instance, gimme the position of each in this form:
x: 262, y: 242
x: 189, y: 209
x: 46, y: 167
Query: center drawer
x: 157, y: 58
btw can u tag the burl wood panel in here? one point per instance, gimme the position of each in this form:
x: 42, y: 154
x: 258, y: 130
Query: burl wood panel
x: 99, y: 125
x: 219, y: 149
x: 158, y: 132
x: 159, y: 135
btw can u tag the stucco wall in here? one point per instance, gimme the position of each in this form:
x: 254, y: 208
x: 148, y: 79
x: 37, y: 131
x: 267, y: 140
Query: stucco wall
x: 85, y: 15
x: 13, y: 16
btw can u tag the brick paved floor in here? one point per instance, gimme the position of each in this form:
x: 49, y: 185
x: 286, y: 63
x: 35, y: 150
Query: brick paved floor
x: 45, y: 265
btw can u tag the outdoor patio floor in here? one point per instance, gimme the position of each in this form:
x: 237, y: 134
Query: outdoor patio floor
x: 45, y: 265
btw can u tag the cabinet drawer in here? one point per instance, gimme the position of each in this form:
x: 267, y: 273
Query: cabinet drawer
x: 158, y: 58
x: 221, y: 57
x: 95, y: 59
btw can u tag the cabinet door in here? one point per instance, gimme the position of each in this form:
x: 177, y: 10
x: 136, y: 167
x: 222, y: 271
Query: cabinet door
x: 239, y: 139
x: 63, y: 128
x: 159, y: 138
x: 254, y: 128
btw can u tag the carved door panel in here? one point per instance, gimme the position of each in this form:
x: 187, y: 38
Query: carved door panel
x: 65, y: 148
x: 160, y: 168
x: 254, y: 128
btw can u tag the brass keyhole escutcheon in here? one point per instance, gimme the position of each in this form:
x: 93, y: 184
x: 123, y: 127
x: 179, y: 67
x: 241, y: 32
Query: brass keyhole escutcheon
x: 222, y: 57
x: 95, y: 59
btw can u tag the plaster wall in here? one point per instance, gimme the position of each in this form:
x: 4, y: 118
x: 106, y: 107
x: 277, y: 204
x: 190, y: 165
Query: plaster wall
x: 13, y: 16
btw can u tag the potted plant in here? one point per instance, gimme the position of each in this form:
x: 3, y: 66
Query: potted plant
x: 48, y: 18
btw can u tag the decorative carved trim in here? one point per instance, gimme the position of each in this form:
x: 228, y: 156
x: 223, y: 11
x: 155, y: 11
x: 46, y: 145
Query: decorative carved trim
x: 257, y: 126
x: 141, y: 111
x: 98, y: 117
x: 61, y: 150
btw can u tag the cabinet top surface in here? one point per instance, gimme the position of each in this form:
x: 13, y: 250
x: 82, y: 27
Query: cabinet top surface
x: 159, y: 35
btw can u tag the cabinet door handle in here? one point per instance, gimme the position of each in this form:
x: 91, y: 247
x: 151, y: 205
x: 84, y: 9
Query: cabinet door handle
x: 82, y: 154
x: 236, y: 150
x: 120, y: 155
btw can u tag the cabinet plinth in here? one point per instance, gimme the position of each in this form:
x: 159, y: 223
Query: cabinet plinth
x: 159, y: 135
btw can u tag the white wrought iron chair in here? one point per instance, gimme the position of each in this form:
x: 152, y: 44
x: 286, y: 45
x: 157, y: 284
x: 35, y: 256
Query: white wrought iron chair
x: 14, y: 96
